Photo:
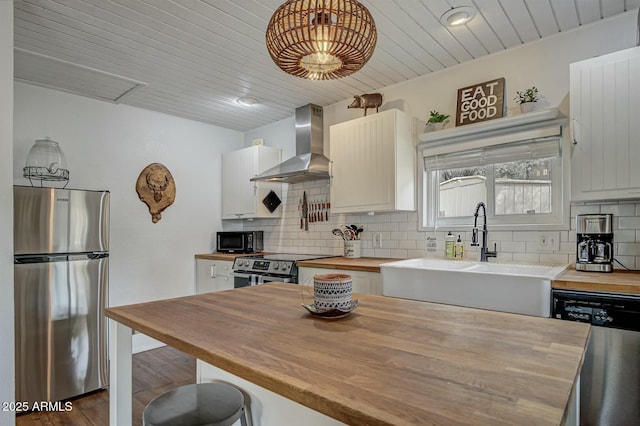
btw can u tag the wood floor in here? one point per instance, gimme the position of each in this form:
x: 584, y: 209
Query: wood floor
x: 154, y: 372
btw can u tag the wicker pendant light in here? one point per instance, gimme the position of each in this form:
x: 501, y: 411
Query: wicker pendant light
x: 321, y: 39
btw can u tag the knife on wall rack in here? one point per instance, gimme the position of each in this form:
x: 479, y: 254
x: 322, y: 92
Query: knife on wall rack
x: 305, y: 211
x: 300, y: 214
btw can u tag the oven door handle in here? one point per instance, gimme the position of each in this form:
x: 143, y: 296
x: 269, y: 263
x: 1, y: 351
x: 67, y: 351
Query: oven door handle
x: 256, y: 279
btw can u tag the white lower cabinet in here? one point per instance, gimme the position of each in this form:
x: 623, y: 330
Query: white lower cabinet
x: 362, y: 281
x: 213, y: 275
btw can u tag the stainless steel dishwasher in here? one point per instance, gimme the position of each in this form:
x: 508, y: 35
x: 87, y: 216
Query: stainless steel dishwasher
x: 610, y: 378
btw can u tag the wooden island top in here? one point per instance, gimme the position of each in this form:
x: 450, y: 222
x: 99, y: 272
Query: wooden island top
x: 390, y: 362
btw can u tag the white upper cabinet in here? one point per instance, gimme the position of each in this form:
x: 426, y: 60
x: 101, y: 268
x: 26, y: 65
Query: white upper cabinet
x: 373, y: 164
x: 242, y: 198
x: 605, y: 124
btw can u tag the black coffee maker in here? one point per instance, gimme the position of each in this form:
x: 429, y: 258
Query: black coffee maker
x: 594, y: 233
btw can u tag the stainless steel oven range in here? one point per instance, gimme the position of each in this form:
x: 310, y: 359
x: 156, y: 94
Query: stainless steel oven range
x: 255, y: 270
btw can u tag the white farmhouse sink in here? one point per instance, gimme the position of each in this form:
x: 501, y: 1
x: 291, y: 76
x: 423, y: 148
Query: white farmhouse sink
x: 507, y: 287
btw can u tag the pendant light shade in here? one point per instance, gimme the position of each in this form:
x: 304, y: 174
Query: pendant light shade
x: 321, y: 39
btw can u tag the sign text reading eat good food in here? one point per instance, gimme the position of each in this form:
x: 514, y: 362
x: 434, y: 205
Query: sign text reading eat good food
x: 480, y: 102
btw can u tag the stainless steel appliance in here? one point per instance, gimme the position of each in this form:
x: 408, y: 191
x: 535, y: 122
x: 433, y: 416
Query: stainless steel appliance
x: 594, y: 235
x: 61, y: 247
x: 239, y: 242
x: 309, y: 163
x: 266, y: 268
x: 610, y: 378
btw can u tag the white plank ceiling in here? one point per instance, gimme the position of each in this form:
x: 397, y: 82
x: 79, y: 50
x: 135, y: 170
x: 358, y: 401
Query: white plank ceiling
x: 194, y: 58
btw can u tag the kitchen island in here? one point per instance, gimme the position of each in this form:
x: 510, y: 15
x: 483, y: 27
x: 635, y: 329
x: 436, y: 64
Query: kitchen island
x: 390, y: 362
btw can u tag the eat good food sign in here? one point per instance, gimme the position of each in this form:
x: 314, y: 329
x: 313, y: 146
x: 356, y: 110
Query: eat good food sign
x: 480, y: 102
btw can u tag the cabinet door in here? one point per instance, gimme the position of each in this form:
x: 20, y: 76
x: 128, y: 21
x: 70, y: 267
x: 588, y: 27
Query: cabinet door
x: 238, y: 192
x: 221, y: 283
x: 373, y: 164
x: 605, y: 127
x: 213, y: 275
x: 362, y: 164
x: 242, y: 198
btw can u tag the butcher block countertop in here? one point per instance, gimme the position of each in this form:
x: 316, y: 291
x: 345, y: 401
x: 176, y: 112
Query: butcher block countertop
x: 614, y: 282
x: 366, y: 264
x: 390, y: 362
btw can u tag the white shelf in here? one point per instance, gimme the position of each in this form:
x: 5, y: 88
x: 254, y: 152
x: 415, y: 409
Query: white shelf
x: 493, y: 127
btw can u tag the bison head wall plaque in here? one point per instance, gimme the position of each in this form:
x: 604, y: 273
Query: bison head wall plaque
x: 156, y: 188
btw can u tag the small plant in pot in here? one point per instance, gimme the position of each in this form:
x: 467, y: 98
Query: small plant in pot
x: 436, y: 120
x: 527, y: 99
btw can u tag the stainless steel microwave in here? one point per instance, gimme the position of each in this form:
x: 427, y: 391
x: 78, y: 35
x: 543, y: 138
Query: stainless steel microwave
x: 239, y: 242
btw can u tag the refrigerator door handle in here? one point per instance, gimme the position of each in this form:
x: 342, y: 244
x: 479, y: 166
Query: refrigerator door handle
x: 45, y: 258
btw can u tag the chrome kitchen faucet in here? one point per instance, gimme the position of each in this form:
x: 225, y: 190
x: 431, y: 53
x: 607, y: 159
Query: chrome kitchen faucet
x: 485, y: 253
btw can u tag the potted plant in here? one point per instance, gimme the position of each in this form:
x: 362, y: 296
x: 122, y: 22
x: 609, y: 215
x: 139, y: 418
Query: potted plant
x: 527, y: 99
x: 437, y: 121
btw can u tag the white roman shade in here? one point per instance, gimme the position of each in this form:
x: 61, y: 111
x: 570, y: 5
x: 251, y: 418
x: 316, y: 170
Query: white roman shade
x: 492, y: 154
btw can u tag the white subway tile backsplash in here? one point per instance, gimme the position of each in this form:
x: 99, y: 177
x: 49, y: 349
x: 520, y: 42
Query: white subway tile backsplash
x: 554, y: 258
x: 629, y: 222
x: 629, y: 262
x: 577, y: 209
x: 618, y: 209
x: 407, y: 244
x: 526, y: 257
x: 501, y: 235
x: 513, y: 247
x: 624, y: 236
x: 390, y: 226
x: 504, y: 257
x: 568, y: 247
x: 628, y: 249
x: 401, y: 238
x: 525, y: 236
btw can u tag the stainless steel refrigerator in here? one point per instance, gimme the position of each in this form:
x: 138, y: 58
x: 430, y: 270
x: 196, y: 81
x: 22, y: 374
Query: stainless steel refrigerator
x: 61, y: 247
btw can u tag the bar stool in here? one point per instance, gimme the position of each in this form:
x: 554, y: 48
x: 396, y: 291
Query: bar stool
x: 203, y: 404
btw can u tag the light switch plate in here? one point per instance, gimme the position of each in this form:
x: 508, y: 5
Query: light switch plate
x: 549, y: 241
x: 377, y: 240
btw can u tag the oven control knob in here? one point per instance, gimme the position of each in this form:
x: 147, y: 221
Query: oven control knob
x: 246, y: 263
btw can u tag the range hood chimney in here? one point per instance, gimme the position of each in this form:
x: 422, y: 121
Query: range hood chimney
x: 309, y: 162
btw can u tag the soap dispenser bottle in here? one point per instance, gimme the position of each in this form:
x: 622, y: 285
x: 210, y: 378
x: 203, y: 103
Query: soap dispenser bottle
x: 458, y: 250
x: 449, y: 245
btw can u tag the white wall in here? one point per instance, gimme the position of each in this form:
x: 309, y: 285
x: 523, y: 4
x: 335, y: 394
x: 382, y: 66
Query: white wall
x: 7, y: 381
x: 106, y: 147
x: 280, y: 134
x: 545, y: 64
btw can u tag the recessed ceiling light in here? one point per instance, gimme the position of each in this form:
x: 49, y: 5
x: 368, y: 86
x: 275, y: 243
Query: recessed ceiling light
x: 247, y: 101
x: 457, y: 16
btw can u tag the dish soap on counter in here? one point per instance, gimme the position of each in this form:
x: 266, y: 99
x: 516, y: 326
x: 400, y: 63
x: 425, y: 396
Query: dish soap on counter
x: 458, y: 249
x: 449, y: 245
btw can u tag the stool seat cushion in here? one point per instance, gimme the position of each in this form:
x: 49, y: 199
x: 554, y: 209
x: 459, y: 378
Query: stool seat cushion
x: 210, y: 404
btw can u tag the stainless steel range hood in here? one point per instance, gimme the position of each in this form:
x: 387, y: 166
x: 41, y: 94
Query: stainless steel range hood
x: 309, y: 162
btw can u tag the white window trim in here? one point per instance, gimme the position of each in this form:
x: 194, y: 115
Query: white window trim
x: 506, y: 131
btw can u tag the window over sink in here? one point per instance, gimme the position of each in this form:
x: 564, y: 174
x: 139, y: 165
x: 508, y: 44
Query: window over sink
x: 520, y: 174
